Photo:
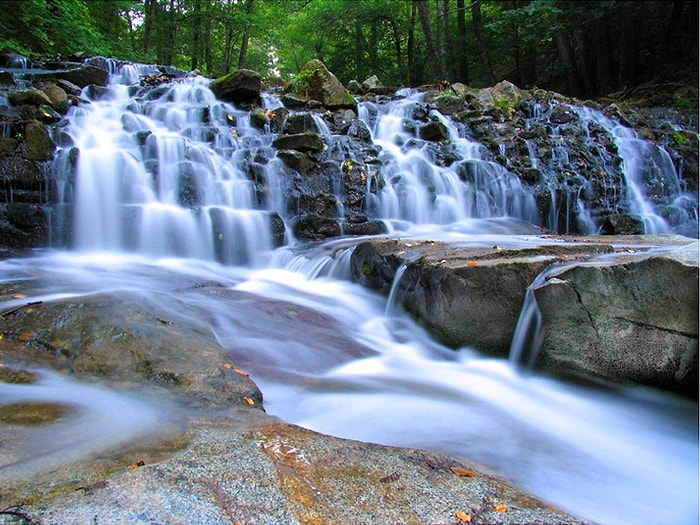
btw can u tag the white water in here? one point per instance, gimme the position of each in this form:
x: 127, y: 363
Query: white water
x: 326, y: 357
x: 331, y: 355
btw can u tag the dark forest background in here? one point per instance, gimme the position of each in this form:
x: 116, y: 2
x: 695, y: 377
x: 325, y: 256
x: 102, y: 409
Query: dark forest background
x: 579, y: 48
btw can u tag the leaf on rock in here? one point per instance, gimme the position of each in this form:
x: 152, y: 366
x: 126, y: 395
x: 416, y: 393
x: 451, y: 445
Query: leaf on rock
x: 248, y: 400
x: 463, y: 517
x: 501, y: 508
x: 463, y: 472
x: 472, y: 263
x: 241, y: 372
x: 139, y: 463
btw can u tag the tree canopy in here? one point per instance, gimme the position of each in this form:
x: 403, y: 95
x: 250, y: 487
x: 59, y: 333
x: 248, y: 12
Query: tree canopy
x: 584, y: 49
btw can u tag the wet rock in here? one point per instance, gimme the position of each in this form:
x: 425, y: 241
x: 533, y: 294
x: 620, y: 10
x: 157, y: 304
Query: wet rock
x: 38, y: 144
x: 314, y: 81
x: 6, y: 79
x: 80, y: 76
x: 123, y: 340
x: 240, y: 87
x: 30, y: 97
x: 297, y: 160
x: 634, y: 320
x: 304, y: 142
x: 23, y: 225
x: 434, y: 131
x: 301, y: 122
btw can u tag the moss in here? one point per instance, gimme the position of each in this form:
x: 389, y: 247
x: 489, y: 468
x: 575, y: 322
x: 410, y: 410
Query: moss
x: 32, y: 413
x: 367, y: 269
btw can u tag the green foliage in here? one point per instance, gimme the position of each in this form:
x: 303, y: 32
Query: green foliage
x: 610, y: 43
x: 679, y: 138
x: 300, y: 82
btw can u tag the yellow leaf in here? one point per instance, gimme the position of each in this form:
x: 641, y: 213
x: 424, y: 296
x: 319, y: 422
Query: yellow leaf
x: 139, y: 463
x: 501, y: 508
x: 463, y: 472
x: 228, y: 366
x: 19, y: 296
x: 472, y: 263
x: 248, y: 400
x: 463, y: 516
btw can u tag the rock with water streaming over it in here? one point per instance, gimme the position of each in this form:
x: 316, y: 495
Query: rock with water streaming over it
x: 625, y: 309
x: 630, y: 319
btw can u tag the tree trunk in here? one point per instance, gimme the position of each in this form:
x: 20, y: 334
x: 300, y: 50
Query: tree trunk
x: 410, y: 51
x: 149, y: 15
x: 243, y: 56
x: 566, y: 56
x: 481, y: 41
x: 208, y: 56
x: 424, y: 16
x: 461, y: 58
x: 196, y: 33
x: 397, y: 43
x: 443, y: 42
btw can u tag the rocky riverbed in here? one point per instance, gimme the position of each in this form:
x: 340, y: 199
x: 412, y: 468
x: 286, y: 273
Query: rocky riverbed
x: 206, y: 451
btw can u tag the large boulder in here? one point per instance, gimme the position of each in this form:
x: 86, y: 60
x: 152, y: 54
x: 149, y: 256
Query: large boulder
x: 632, y: 318
x: 464, y: 296
x: 315, y: 82
x: 240, y: 87
x: 627, y: 320
x: 80, y: 76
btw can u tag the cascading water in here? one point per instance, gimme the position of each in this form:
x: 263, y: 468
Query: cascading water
x: 160, y: 172
x: 419, y: 191
x: 161, y: 176
x: 654, y: 191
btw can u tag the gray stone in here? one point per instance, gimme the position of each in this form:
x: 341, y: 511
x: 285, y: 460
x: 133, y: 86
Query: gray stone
x: 240, y: 87
x: 631, y: 320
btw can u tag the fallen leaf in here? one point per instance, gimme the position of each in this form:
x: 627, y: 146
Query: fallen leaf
x: 19, y: 296
x: 228, y: 366
x: 463, y: 516
x: 248, y: 400
x: 463, y: 472
x: 501, y: 508
x: 139, y: 463
x: 241, y: 372
x: 24, y: 337
x: 472, y: 263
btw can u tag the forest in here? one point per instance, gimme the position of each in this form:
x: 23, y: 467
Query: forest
x: 579, y: 48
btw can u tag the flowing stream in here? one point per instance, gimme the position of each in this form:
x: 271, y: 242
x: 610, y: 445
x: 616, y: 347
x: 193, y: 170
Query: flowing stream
x: 362, y: 368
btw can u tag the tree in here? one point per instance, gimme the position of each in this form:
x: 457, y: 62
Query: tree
x: 481, y: 41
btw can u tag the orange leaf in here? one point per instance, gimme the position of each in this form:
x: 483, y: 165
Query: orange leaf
x: 463, y: 516
x: 19, y: 296
x: 24, y: 337
x: 248, y: 400
x: 501, y: 508
x: 241, y: 372
x: 139, y: 463
x: 463, y: 472
x: 229, y: 366
x: 472, y: 263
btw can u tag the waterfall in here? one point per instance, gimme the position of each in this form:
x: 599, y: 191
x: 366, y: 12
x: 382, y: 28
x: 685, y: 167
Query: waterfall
x: 183, y: 181
x: 421, y: 191
x: 653, y: 189
x: 162, y: 173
